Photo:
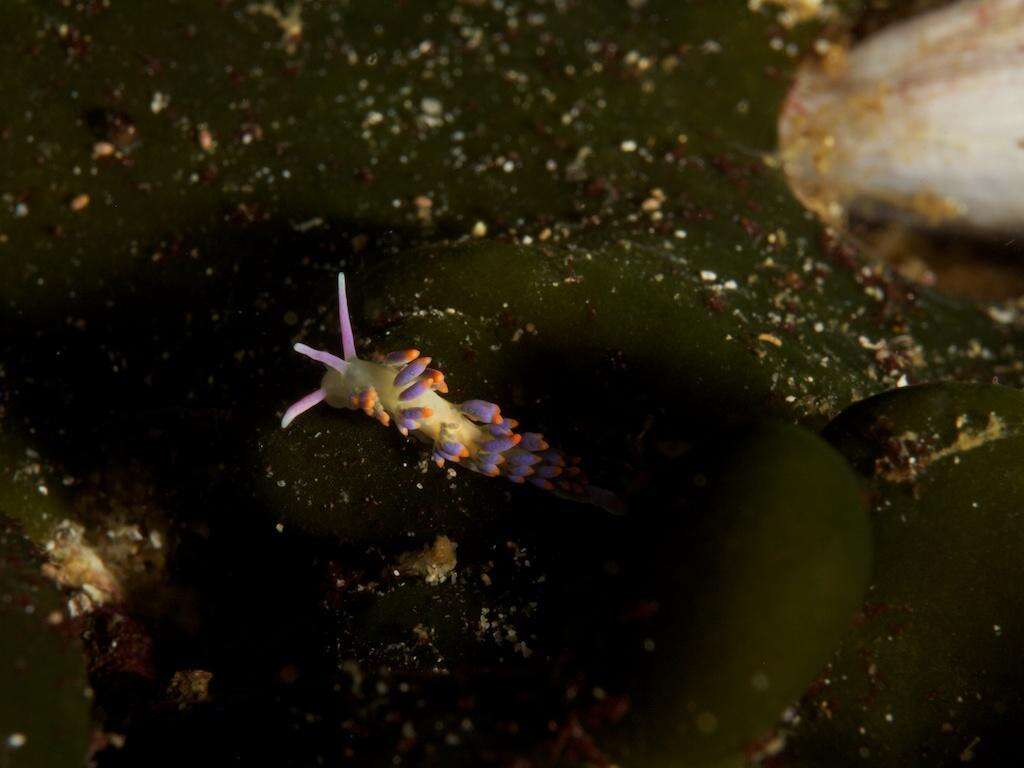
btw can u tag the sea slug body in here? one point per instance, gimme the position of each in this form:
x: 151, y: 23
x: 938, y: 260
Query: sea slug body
x: 401, y: 388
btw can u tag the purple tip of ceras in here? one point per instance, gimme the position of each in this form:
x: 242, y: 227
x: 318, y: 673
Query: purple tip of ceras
x: 481, y: 410
x: 487, y: 463
x: 553, y: 457
x: 548, y: 471
x: 533, y: 441
x: 415, y: 414
x: 411, y: 371
x: 500, y: 444
x: 401, y: 357
x: 441, y: 455
x: 334, y: 362
x: 405, y: 426
x: 520, y: 458
x: 452, y: 448
x: 519, y: 470
x: 417, y: 389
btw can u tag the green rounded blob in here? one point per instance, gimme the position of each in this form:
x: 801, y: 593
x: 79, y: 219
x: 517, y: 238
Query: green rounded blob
x: 933, y: 673
x: 755, y: 584
x: 30, y: 492
x: 44, y: 703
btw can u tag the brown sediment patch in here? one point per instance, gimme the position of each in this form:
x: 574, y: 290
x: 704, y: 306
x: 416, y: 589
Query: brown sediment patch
x: 911, y: 456
x: 434, y: 562
x: 75, y: 564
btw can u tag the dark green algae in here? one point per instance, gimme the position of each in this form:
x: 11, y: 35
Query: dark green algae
x: 730, y: 597
x: 932, y: 673
x: 645, y: 282
x: 44, y: 709
x: 683, y: 629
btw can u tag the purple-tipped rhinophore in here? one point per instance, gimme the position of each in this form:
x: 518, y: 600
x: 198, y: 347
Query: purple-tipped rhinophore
x: 348, y: 342
x: 326, y: 358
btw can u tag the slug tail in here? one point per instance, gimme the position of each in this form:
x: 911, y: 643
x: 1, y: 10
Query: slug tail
x: 600, y: 497
x: 301, y: 406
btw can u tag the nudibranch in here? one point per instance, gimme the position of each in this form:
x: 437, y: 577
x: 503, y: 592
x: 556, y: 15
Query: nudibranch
x: 403, y: 389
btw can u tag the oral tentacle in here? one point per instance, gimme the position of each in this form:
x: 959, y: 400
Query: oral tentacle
x: 331, y: 361
x: 301, y: 406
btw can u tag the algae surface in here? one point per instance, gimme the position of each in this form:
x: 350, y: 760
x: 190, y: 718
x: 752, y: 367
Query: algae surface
x: 572, y: 207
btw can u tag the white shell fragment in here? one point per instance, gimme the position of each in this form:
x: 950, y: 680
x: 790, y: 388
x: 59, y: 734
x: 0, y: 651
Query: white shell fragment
x: 923, y: 122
